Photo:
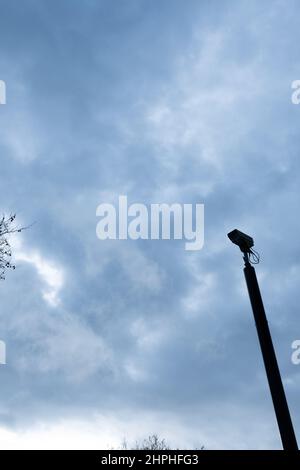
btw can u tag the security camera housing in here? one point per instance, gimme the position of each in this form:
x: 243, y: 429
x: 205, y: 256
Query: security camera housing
x: 242, y: 240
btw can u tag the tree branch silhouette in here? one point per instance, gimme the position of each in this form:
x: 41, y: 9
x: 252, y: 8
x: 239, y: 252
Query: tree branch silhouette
x: 7, y: 228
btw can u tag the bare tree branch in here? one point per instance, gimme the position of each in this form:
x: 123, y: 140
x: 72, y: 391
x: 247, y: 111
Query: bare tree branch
x: 153, y: 442
x: 7, y: 228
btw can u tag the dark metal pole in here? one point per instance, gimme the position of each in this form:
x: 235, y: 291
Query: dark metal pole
x: 284, y: 421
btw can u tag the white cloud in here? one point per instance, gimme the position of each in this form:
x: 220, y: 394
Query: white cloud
x: 201, y: 294
x: 203, y: 107
x: 217, y: 427
x: 51, y: 274
x: 149, y: 333
x: 65, y: 345
x: 142, y: 271
x: 63, y: 435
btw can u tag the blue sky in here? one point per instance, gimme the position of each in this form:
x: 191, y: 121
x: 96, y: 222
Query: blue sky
x: 164, y: 101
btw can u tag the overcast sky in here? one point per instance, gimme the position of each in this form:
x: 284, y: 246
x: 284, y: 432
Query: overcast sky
x: 163, y: 101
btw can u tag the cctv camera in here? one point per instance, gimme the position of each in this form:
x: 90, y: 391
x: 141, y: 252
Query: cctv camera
x: 241, y: 239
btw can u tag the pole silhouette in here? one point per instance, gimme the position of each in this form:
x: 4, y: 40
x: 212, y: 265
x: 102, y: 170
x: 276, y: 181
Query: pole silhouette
x: 280, y: 404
